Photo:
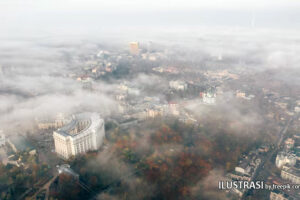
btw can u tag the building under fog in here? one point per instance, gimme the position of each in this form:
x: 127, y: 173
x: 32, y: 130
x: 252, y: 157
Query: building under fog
x: 85, y: 132
x: 285, y: 158
x: 178, y: 85
x: 134, y: 48
x: 209, y: 97
x: 291, y: 174
x: 59, y: 121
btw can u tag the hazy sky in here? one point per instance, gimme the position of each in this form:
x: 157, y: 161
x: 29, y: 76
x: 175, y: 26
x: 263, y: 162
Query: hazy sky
x: 32, y: 17
x: 134, y: 5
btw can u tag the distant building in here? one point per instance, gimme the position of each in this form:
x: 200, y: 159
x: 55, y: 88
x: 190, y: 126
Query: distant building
x: 263, y: 148
x: 43, y: 125
x: 237, y: 191
x: 178, y: 85
x: 284, y: 158
x: 173, y: 108
x: 239, y: 176
x: 134, y: 48
x: 297, y: 152
x: 209, y: 97
x: 291, y: 174
x: 248, y: 165
x: 2, y: 139
x: 240, y: 94
x: 244, y: 169
x: 85, y: 132
x: 278, y: 195
x: 59, y: 121
x: 289, y: 143
x: 297, y: 109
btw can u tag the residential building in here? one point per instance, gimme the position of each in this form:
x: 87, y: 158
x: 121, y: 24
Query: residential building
x: 291, y: 174
x: 134, y: 48
x: 178, y: 85
x: 278, y: 195
x: 284, y: 158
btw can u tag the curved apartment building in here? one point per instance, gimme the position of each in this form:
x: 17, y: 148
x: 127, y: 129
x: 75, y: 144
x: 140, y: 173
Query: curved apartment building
x: 85, y: 132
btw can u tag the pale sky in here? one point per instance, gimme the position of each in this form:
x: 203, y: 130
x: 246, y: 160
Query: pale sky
x: 31, y: 17
x: 134, y: 5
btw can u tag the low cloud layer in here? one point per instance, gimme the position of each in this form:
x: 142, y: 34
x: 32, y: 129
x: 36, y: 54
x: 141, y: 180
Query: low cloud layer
x: 35, y: 72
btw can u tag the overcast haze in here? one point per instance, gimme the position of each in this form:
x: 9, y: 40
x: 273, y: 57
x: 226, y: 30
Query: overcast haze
x: 77, y: 17
x: 39, y: 40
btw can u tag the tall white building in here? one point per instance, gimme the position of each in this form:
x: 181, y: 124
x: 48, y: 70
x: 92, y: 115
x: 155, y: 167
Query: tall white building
x: 85, y: 132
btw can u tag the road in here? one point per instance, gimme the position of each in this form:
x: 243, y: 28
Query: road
x: 45, y: 187
x: 270, y: 155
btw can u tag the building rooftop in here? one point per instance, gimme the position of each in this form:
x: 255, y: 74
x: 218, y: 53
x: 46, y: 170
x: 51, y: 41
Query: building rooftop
x: 65, y: 169
x: 286, y: 154
x: 291, y: 170
x: 80, y: 123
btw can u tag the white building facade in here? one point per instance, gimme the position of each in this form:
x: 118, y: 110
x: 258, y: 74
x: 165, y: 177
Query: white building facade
x: 285, y: 158
x: 84, y: 133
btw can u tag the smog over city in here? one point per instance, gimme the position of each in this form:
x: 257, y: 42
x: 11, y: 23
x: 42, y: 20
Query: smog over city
x: 158, y: 100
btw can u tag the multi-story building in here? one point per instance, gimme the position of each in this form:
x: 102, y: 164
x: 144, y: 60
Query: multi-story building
x: 291, y: 174
x: 277, y: 195
x: 209, y: 97
x: 284, y: 158
x: 85, y: 132
x: 59, y: 121
x: 240, y: 94
x: 66, y: 169
x: 239, y: 176
x: 134, y: 48
x: 178, y: 85
x: 152, y: 112
x: 289, y: 143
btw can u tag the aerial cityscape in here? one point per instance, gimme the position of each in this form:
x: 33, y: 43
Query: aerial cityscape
x: 155, y: 100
